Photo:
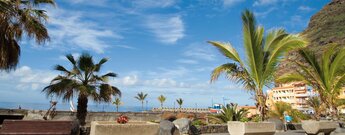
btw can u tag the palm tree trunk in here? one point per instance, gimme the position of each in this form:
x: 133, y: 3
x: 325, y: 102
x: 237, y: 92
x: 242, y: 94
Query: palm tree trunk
x: 162, y: 105
x: 334, y: 111
x: 82, y: 109
x: 142, y: 105
x: 117, y: 108
x: 261, y: 100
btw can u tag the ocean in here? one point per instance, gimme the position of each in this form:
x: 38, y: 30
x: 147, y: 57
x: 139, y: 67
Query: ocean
x: 66, y: 107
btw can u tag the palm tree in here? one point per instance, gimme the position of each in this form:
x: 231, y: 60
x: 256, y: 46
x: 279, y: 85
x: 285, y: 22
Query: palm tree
x: 179, y: 102
x: 263, y: 54
x: 161, y: 99
x: 141, y: 97
x: 19, y: 18
x: 325, y: 74
x: 279, y: 109
x: 117, y: 102
x: 315, y: 103
x: 230, y: 112
x: 82, y: 81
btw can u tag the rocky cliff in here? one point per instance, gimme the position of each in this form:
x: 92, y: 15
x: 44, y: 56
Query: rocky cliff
x: 325, y: 27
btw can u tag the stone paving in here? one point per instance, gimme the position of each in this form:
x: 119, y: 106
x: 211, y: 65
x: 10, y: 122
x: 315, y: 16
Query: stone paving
x: 291, y: 132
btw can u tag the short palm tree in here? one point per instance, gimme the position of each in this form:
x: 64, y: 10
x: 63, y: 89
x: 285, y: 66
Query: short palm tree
x: 179, y: 102
x: 278, y: 110
x: 84, y: 82
x: 19, y: 18
x: 315, y: 103
x: 230, y: 112
x: 325, y: 74
x: 263, y: 54
x: 141, y: 97
x: 117, y: 103
x: 161, y: 99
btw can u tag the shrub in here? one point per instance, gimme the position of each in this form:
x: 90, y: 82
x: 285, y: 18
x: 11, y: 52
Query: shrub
x: 229, y: 113
x: 198, y: 122
x: 122, y: 119
x: 244, y: 119
x: 256, y: 118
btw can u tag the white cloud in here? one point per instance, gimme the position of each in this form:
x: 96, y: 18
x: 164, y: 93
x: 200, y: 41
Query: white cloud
x: 153, y: 3
x: 272, y: 2
x: 87, y: 2
x: 264, y: 2
x: 305, y: 8
x: 71, y: 31
x: 187, y: 61
x: 199, y: 51
x: 297, y: 21
x: 26, y: 78
x: 168, y: 29
x: 228, y: 3
x: 125, y: 46
x: 130, y: 80
x: 63, y: 57
x: 264, y: 13
x: 134, y: 81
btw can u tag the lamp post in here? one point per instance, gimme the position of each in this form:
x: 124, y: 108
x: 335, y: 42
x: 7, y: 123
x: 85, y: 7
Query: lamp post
x: 174, y: 107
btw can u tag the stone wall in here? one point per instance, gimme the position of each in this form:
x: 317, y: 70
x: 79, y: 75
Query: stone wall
x: 91, y: 116
x: 213, y: 129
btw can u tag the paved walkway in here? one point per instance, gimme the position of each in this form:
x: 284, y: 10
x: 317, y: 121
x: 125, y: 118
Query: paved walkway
x: 290, y: 132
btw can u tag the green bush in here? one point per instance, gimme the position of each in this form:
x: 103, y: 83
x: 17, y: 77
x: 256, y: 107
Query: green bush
x: 198, y: 123
x: 256, y: 118
x: 244, y: 119
x: 229, y: 113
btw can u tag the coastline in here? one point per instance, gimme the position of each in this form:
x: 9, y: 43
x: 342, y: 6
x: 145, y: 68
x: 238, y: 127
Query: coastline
x: 66, y: 106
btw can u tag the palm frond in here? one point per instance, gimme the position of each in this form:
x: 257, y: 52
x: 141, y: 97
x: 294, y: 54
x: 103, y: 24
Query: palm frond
x: 85, y: 62
x: 288, y: 78
x: 227, y: 50
x: 62, y: 69
x: 225, y: 68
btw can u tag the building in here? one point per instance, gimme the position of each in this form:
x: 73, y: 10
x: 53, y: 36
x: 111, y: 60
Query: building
x: 295, y: 93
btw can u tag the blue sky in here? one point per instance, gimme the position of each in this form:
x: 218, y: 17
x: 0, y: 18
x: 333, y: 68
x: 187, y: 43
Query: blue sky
x: 155, y: 46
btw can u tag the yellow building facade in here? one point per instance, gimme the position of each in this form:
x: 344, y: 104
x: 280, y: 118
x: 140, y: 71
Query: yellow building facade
x: 295, y: 93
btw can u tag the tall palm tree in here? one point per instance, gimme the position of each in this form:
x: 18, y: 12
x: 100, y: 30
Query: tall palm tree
x: 141, y: 97
x: 117, y: 102
x: 20, y: 18
x: 179, y: 102
x: 325, y: 73
x: 263, y: 54
x: 161, y: 99
x: 82, y: 81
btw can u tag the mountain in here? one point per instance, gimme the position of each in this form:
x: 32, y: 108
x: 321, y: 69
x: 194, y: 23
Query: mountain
x: 325, y: 27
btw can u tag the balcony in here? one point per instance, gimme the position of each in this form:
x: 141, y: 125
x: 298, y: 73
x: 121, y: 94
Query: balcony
x: 302, y: 95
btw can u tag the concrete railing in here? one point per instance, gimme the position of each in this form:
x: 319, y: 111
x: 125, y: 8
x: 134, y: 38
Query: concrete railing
x: 164, y: 109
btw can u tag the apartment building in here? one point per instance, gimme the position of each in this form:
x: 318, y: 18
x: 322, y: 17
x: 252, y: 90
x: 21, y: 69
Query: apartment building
x: 295, y: 93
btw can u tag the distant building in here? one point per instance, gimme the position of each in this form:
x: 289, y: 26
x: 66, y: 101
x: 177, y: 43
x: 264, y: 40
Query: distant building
x: 252, y: 110
x: 295, y: 93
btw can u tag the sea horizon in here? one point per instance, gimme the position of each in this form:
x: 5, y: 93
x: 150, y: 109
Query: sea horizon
x: 65, y: 106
